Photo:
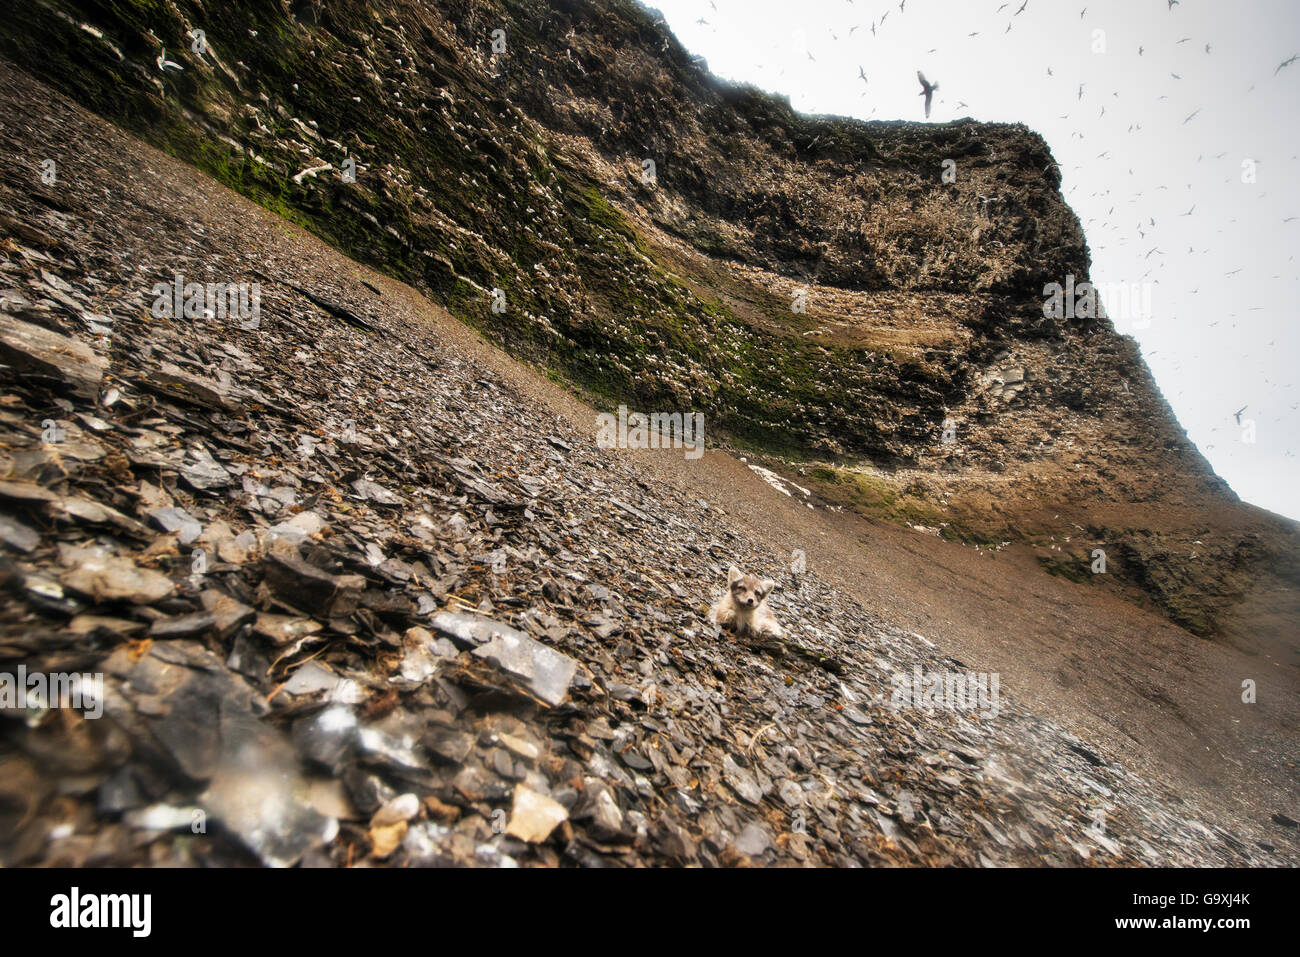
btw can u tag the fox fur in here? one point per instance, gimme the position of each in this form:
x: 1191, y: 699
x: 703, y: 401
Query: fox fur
x: 742, y: 606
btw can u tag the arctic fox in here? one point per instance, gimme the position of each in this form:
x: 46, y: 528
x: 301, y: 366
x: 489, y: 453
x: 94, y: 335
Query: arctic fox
x: 742, y: 607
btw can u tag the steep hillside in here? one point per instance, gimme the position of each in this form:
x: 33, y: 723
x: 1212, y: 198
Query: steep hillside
x: 360, y: 595
x: 812, y: 284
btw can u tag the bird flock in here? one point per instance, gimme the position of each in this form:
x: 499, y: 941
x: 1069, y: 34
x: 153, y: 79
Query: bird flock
x: 1105, y: 228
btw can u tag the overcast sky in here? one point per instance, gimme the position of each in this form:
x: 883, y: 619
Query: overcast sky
x: 1178, y: 123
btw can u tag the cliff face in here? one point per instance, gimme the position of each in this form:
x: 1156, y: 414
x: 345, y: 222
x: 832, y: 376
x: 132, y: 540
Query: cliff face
x: 353, y: 588
x: 814, y: 285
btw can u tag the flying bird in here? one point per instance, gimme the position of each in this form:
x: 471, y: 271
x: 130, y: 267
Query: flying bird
x: 1237, y: 414
x: 1286, y: 63
x: 1022, y: 9
x: 863, y: 74
x: 927, y: 91
x: 1190, y: 115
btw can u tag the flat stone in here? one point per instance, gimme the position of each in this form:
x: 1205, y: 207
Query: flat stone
x: 17, y: 535
x: 26, y: 492
x: 95, y: 513
x: 401, y: 808
x: 297, y: 529
x: 186, y: 527
x: 753, y: 841
x: 32, y: 348
x: 89, y: 624
x: 171, y: 380
x: 386, y: 838
x: 255, y: 794
x: 311, y: 678
x: 741, y: 781
x: 327, y: 736
x: 307, y: 587
x: 524, y: 749
x: 547, y: 672
x: 205, y: 473
x: 97, y: 573
x: 854, y: 715
x: 284, y: 629
x: 451, y: 746
x: 183, y: 626
x: 534, y: 816
x: 606, y: 816
x: 228, y: 614
x: 373, y: 492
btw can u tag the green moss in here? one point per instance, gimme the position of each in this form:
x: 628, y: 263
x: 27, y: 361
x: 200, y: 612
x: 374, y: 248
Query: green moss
x: 1076, y: 570
x: 628, y: 323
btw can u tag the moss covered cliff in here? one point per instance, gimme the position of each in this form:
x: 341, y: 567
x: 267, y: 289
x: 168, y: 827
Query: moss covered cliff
x: 815, y: 285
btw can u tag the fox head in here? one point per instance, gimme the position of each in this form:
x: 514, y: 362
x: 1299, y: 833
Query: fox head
x: 748, y: 591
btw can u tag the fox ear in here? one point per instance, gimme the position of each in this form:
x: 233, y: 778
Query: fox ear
x: 733, y: 573
x: 765, y: 586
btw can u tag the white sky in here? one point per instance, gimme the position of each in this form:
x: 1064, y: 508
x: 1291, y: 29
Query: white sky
x: 1215, y: 342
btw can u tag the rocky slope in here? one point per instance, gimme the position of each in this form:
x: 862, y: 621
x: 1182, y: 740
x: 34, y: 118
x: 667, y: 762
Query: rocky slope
x: 523, y: 169
x: 308, y: 554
